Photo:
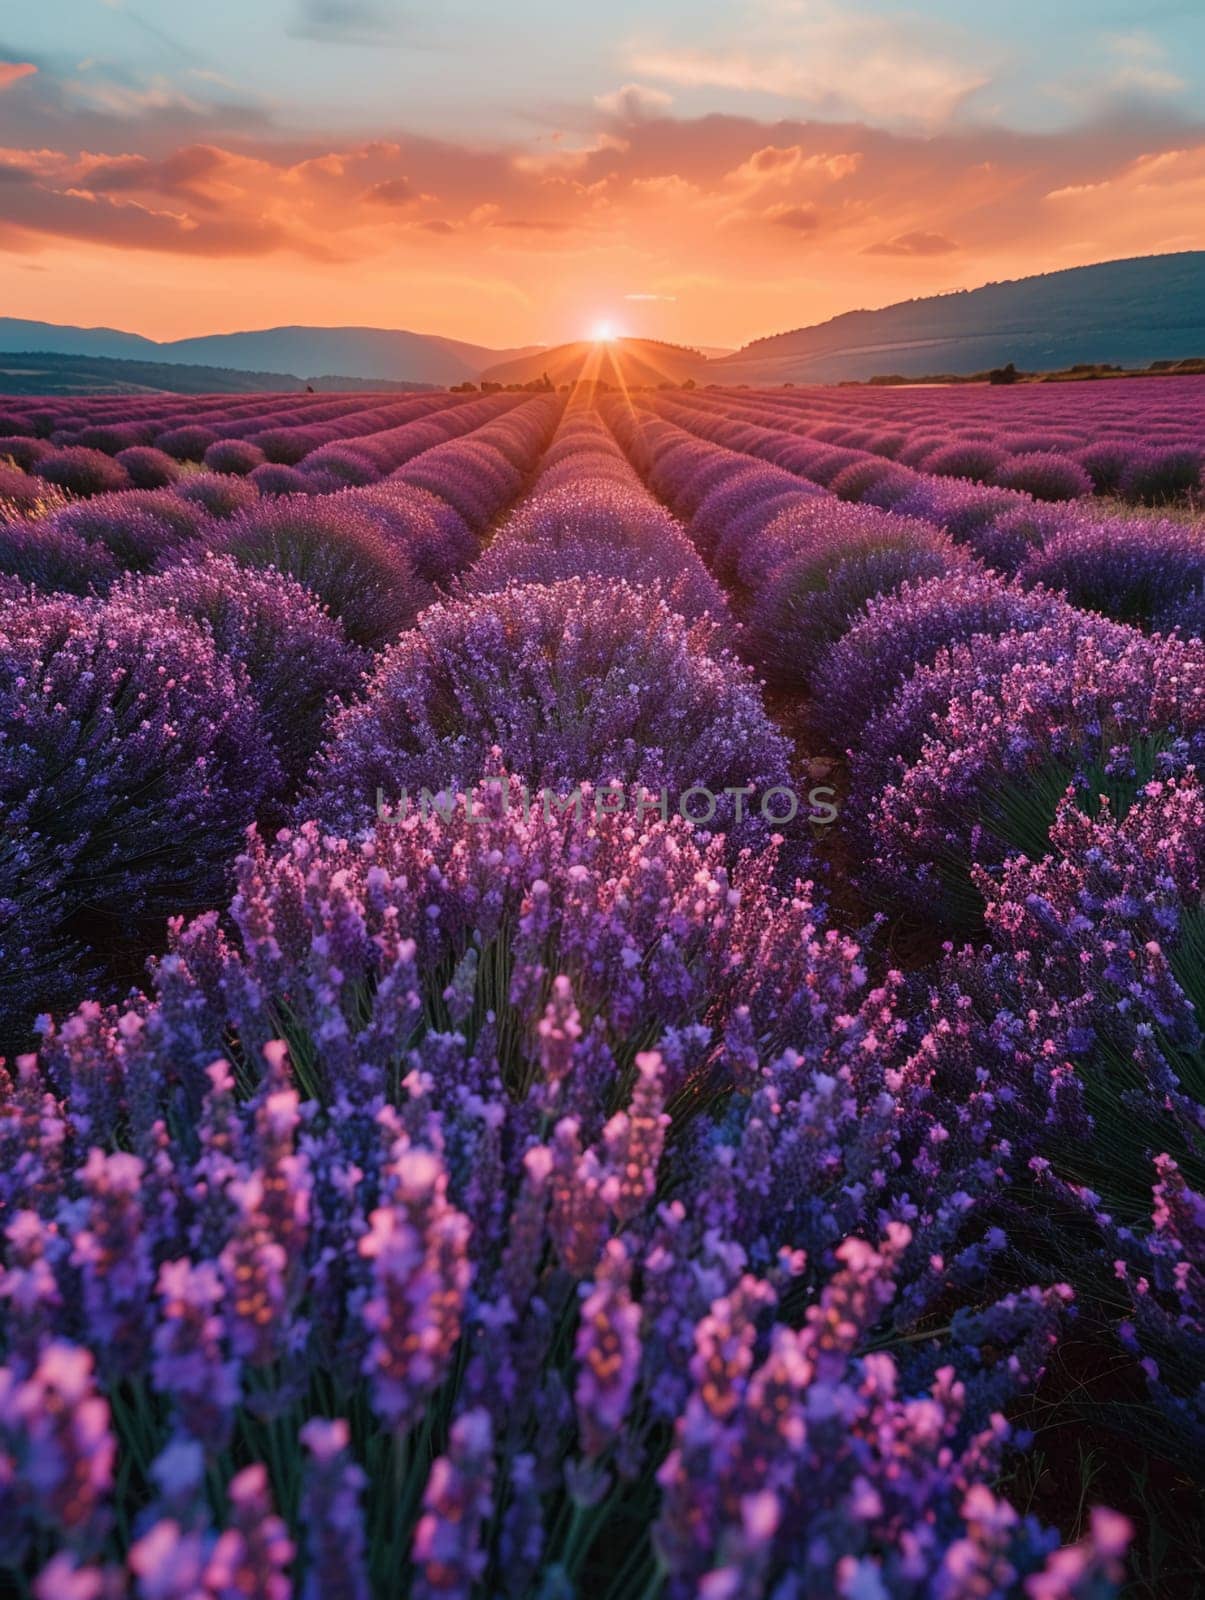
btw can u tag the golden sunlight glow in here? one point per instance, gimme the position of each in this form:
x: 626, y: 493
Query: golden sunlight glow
x: 604, y: 331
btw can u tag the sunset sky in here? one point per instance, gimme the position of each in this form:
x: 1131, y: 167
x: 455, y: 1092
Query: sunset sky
x: 520, y: 173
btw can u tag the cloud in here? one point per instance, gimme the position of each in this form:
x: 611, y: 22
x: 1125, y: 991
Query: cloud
x: 184, y: 172
x: 667, y: 299
x: 125, y: 224
x: 392, y: 192
x: 13, y: 71
x: 530, y: 224
x: 1158, y: 198
x: 913, y: 244
x: 786, y: 164
x: 634, y: 103
x: 1141, y: 66
x: 828, y: 61
x: 361, y: 22
x: 800, y: 219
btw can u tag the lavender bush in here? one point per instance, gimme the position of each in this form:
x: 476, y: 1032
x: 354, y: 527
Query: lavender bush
x: 898, y: 633
x: 235, y: 456
x: 140, y: 528
x: 22, y: 451
x: 54, y: 558
x: 132, y: 758
x: 1136, y: 571
x: 1107, y: 717
x: 811, y: 599
x: 147, y: 468
x: 1155, y: 476
x: 570, y: 683
x: 1045, y: 475
x: 81, y: 471
x: 297, y: 659
x: 340, y: 555
x: 218, y: 494
x: 186, y: 443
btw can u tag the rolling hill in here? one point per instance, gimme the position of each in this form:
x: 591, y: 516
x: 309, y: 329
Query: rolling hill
x: 388, y: 353
x: 640, y: 362
x: 1131, y: 312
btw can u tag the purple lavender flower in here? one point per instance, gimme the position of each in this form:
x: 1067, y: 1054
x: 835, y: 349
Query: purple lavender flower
x: 456, y: 1508
x: 188, y: 1364
x: 57, y: 1449
x: 607, y: 1351
x: 417, y: 1244
x: 251, y: 1558
x: 334, y: 1546
x: 113, y: 1254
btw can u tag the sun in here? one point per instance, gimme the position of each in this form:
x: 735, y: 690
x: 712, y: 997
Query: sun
x: 603, y: 331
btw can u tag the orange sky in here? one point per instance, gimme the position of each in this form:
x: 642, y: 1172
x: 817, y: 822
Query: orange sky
x: 169, y: 217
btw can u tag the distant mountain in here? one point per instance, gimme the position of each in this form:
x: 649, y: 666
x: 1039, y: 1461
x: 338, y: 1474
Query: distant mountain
x: 359, y: 352
x: 1130, y: 312
x: 388, y: 353
x: 52, y: 338
x: 639, y: 362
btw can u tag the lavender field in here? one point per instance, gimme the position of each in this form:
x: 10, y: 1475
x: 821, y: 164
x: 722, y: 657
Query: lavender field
x: 600, y: 994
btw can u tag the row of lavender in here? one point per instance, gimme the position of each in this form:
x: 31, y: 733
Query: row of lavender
x: 271, y: 452
x: 1141, y: 569
x: 519, y: 1198
x: 1144, y: 441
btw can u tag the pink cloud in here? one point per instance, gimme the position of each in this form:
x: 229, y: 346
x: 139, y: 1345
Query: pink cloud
x: 13, y: 71
x: 800, y: 219
x: 913, y: 244
x: 392, y: 192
